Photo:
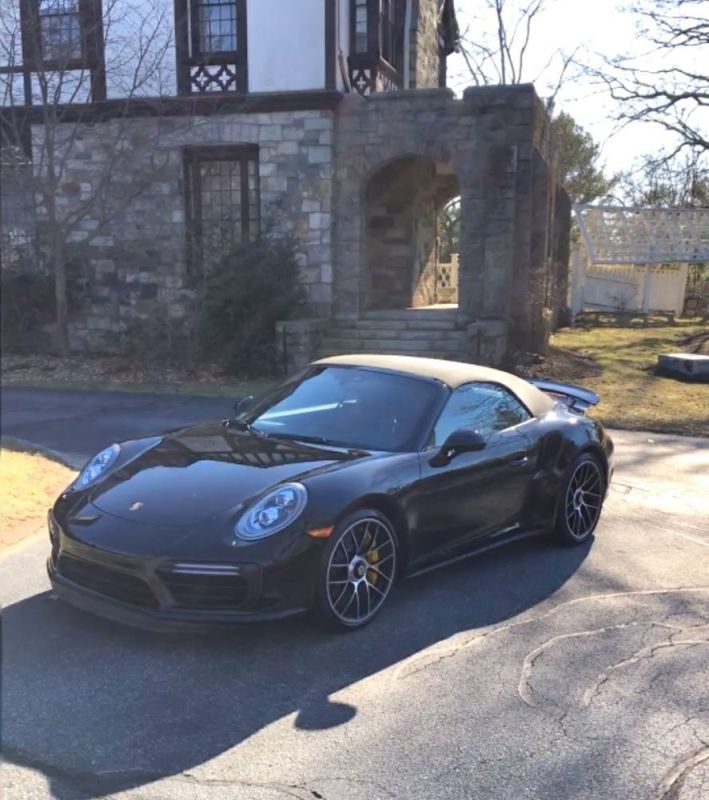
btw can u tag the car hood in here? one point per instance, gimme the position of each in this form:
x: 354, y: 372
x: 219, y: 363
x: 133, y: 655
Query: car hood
x: 196, y: 473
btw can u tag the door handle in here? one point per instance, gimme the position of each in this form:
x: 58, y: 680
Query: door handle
x: 518, y: 460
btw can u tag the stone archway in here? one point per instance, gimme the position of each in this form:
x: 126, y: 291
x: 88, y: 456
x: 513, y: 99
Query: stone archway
x: 513, y: 217
x: 402, y: 202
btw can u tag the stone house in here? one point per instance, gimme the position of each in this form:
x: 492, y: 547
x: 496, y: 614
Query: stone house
x: 330, y: 116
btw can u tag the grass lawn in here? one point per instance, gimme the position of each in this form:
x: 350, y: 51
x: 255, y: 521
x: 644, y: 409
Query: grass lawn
x: 30, y: 484
x: 618, y: 363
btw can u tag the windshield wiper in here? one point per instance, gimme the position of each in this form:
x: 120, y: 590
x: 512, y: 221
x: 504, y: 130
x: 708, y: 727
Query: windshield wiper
x: 243, y: 426
x: 304, y: 437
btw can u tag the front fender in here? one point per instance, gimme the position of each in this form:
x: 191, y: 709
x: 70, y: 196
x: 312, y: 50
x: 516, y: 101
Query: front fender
x: 334, y: 493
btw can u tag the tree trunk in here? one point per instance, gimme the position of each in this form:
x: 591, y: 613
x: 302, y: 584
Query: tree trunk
x: 62, y: 315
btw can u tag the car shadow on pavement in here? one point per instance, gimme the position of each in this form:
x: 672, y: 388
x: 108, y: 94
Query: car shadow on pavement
x: 98, y: 708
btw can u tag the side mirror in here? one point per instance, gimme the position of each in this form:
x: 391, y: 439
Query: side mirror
x: 462, y: 440
x: 244, y: 404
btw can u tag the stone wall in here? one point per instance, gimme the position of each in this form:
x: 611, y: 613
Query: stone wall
x: 354, y: 185
x: 131, y: 247
x: 425, y: 61
x: 18, y: 220
x: 297, y: 341
x: 496, y: 142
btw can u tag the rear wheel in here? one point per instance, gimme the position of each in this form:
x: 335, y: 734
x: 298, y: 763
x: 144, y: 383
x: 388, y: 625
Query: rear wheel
x: 357, y: 571
x: 581, y: 500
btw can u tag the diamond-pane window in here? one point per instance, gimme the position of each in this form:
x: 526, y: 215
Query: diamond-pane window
x: 217, y: 26
x: 60, y: 27
x: 222, y: 199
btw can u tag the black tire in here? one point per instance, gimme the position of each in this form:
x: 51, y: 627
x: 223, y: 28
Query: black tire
x: 580, y: 500
x: 357, y: 570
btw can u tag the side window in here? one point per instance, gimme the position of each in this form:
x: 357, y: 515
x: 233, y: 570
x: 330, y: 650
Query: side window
x: 485, y: 407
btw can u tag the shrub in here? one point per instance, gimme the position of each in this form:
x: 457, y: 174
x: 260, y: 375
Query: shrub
x: 161, y: 341
x: 251, y: 286
x: 29, y: 302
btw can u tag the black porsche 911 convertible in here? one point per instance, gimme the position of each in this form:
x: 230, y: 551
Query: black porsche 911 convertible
x: 321, y: 494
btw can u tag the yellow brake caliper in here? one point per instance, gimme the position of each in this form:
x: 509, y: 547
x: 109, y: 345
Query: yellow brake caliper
x: 372, y: 557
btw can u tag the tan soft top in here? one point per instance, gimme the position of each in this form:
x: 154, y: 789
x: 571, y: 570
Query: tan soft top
x: 451, y: 373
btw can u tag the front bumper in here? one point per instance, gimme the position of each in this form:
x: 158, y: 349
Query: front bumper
x: 173, y: 596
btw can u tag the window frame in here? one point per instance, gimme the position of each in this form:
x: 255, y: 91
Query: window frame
x: 193, y: 157
x: 196, y: 30
x: 376, y: 20
x: 391, y: 29
x: 74, y: 15
x: 430, y: 440
x: 189, y: 56
x: 354, y: 5
x: 90, y: 18
x: 371, y: 65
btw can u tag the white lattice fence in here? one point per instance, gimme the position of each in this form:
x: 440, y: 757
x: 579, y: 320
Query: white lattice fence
x: 624, y: 235
x: 447, y: 280
x: 601, y: 287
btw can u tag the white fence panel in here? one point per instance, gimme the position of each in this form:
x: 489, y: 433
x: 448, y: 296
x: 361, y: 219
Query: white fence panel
x: 599, y: 287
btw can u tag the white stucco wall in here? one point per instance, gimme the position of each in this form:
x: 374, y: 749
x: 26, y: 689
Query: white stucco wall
x: 286, y: 48
x: 286, y: 45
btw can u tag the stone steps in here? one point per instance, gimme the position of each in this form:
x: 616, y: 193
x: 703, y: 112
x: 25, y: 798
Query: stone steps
x: 385, y: 324
x: 413, y: 314
x: 387, y: 345
x: 433, y: 334
x: 374, y: 332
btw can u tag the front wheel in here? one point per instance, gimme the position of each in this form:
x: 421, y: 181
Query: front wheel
x: 581, y: 500
x: 357, y: 570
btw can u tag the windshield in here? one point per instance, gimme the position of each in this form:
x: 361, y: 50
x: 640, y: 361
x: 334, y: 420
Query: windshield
x: 349, y: 407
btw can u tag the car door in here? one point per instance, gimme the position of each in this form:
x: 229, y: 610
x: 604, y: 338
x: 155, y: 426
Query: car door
x: 476, y: 493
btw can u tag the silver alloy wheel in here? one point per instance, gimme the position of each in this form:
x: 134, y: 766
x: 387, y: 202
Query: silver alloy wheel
x: 361, y: 570
x: 584, y: 497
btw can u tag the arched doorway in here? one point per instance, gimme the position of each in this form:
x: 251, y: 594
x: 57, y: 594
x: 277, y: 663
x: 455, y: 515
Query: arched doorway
x: 403, y: 203
x: 447, y: 271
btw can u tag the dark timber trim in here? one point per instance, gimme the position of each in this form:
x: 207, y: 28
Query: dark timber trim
x: 182, y: 54
x: 92, y: 56
x: 369, y: 71
x: 330, y: 44
x: 205, y: 72
x: 231, y: 103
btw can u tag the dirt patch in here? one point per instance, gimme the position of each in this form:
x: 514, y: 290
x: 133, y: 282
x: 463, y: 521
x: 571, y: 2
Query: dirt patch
x: 122, y: 373
x: 695, y: 343
x: 559, y: 364
x: 30, y: 484
x: 100, y: 368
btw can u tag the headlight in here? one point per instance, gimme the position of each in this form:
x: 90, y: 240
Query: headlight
x: 98, y: 465
x: 273, y: 512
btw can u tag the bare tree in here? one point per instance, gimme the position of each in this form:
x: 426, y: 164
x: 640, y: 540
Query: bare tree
x: 495, y: 46
x: 45, y: 113
x: 667, y: 184
x: 666, y: 84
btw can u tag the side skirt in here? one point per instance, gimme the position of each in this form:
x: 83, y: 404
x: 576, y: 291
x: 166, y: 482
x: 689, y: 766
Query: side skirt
x: 503, y: 537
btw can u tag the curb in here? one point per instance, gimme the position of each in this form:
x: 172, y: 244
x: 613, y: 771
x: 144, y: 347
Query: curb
x: 23, y: 446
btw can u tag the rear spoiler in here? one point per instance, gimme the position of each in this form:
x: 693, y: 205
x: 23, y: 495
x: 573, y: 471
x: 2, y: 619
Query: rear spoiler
x: 577, y: 398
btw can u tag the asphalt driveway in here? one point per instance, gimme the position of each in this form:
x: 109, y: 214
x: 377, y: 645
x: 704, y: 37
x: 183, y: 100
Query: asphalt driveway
x: 79, y: 424
x: 529, y: 672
